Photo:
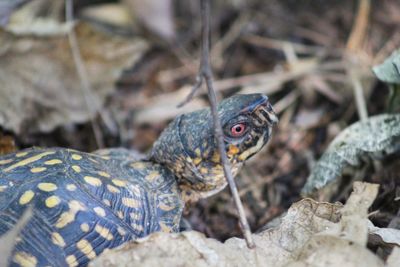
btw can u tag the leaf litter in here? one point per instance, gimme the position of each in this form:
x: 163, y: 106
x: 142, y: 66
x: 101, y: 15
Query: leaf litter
x: 46, y: 93
x: 311, y: 234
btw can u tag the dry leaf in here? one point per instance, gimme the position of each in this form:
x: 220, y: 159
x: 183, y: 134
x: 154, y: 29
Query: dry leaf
x: 40, y: 86
x: 394, y: 258
x: 39, y: 18
x: 344, y: 244
x: 311, y: 234
x: 379, y: 135
x: 388, y: 236
x: 155, y: 15
x: 274, y: 247
x: 7, y: 7
x: 7, y: 144
x: 114, y: 14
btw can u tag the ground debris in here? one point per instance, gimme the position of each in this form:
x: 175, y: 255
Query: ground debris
x: 311, y: 234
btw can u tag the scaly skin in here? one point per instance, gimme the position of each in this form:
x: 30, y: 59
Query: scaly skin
x: 84, y: 203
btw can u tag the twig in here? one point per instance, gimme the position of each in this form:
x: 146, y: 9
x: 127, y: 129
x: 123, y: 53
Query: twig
x: 82, y: 73
x: 358, y: 94
x: 360, y: 26
x: 279, y: 44
x: 268, y: 83
x: 8, y: 240
x: 205, y: 74
x: 353, y: 48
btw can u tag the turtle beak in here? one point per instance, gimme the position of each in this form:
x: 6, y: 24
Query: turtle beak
x: 264, y: 113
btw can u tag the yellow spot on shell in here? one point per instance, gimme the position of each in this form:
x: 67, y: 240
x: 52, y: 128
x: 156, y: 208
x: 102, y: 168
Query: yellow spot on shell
x: 197, y: 151
x: 57, y: 239
x: 21, y: 154
x: 24, y: 259
x: 120, y: 214
x: 52, y: 162
x: 164, y: 207
x: 105, y: 157
x: 69, y: 216
x: 47, y: 187
x: 93, y: 160
x: 71, y: 187
x: 135, y: 189
x: 65, y: 218
x: 118, y: 182
x: 107, y: 202
x: 137, y: 227
x: 3, y: 188
x: 104, y: 174
x: 28, y: 160
x: 26, y: 197
x: 134, y: 216
x: 112, y: 189
x: 203, y: 170
x: 152, y: 176
x: 38, y: 169
x: 85, y: 227
x: 92, y: 180
x: 104, y: 232
x: 71, y: 261
x: 197, y: 161
x: 165, y: 228
x: 76, y: 157
x: 86, y: 248
x: 130, y: 202
x: 52, y: 201
x: 100, y: 211
x: 216, y: 158
x: 121, y: 231
x: 76, y: 168
x: 138, y: 165
x: 5, y: 161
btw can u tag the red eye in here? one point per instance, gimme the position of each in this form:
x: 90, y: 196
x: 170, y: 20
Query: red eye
x: 238, y: 129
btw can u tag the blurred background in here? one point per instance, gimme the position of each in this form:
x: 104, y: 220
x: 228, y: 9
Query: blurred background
x: 94, y: 74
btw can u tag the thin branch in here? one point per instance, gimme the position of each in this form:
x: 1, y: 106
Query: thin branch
x: 82, y: 73
x: 359, y: 95
x: 353, y: 47
x: 205, y: 74
x: 360, y: 26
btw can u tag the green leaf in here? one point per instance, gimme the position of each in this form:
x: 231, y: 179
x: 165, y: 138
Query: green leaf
x: 389, y: 71
x: 377, y: 136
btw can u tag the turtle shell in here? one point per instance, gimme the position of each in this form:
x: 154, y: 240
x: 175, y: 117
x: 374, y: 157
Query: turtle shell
x: 82, y: 203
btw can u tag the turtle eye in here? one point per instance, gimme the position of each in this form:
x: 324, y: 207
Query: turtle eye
x: 238, y: 129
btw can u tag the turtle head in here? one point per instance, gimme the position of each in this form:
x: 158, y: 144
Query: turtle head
x: 189, y: 148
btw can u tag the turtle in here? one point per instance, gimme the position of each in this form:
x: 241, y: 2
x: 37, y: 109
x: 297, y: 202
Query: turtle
x: 86, y: 203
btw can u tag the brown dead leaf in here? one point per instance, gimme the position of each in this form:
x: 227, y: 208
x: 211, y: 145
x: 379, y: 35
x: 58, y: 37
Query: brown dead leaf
x: 388, y: 236
x: 7, y: 144
x: 311, y: 234
x: 329, y: 251
x: 114, y: 14
x: 274, y: 247
x: 155, y: 15
x: 344, y: 244
x: 40, y: 86
x: 394, y: 258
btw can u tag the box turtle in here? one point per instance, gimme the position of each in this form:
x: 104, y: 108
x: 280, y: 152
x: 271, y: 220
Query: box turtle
x: 85, y: 203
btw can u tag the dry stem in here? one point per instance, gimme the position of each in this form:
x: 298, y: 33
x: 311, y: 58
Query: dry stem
x: 205, y: 74
x: 82, y: 73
